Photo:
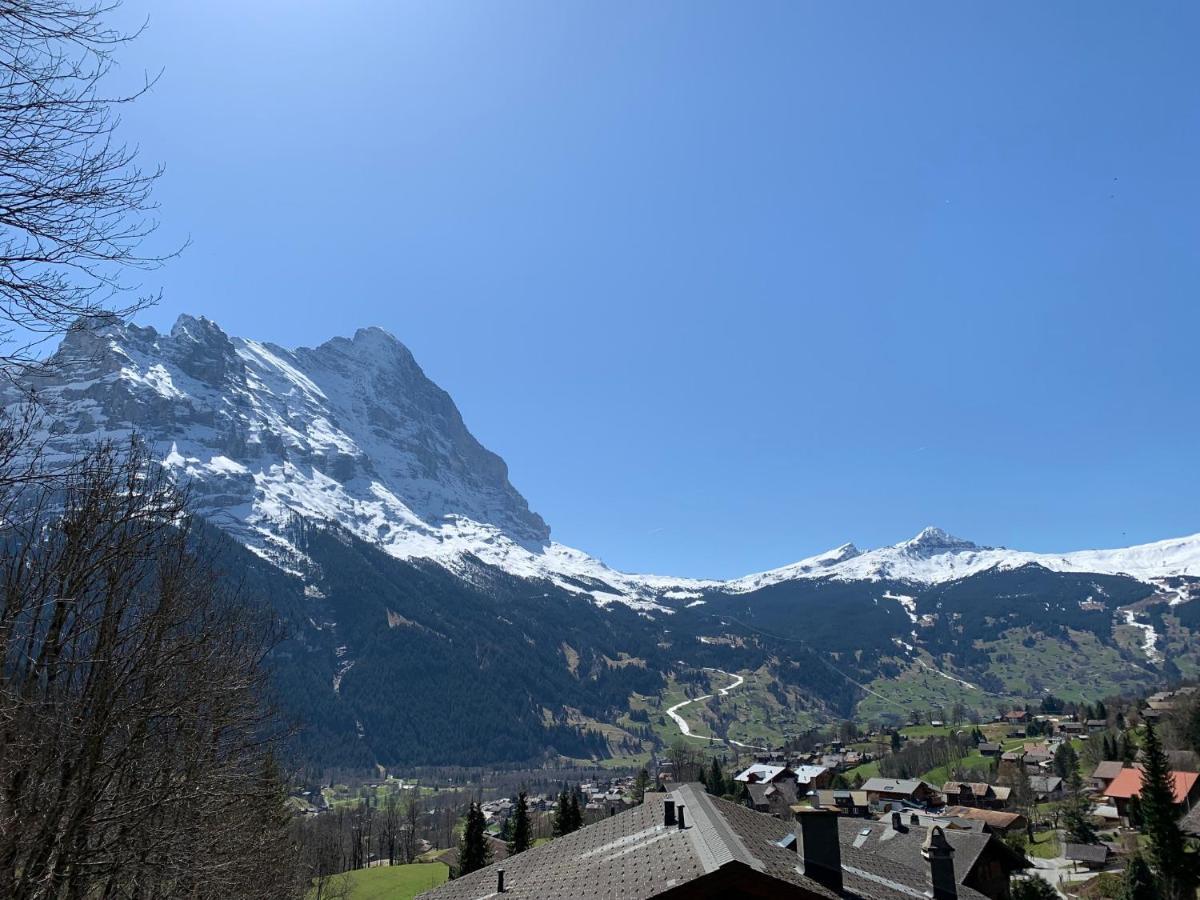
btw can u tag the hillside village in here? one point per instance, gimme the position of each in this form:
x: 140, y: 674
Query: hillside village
x: 1047, y: 798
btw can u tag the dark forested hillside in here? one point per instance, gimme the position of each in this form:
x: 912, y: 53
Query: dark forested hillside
x: 433, y: 668
x: 406, y: 663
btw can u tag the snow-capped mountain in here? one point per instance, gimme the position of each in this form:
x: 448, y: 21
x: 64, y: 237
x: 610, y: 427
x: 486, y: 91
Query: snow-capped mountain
x: 351, y: 432
x: 934, y: 557
x: 354, y: 432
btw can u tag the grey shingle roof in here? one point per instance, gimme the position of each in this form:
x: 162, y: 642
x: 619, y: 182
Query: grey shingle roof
x: 893, y: 785
x: 1092, y: 853
x: 633, y: 855
x: 904, y: 846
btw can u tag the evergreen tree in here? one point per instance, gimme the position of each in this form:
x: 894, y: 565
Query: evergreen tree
x: 896, y: 742
x: 1167, y: 849
x: 1066, y: 760
x: 576, y: 819
x: 1110, y: 746
x: 562, y: 814
x: 521, y: 838
x: 640, y: 784
x: 1128, y: 750
x: 474, y: 852
x: 716, y: 779
x: 1076, y: 819
x: 1033, y: 888
x: 1138, y: 881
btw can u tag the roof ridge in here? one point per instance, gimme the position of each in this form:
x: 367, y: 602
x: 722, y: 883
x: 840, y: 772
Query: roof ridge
x: 720, y: 842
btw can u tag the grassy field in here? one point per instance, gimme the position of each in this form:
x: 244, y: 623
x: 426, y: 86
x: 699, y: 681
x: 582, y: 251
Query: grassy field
x: 920, y: 689
x: 394, y: 882
x: 758, y: 717
x: 1044, y: 846
x: 1088, y: 670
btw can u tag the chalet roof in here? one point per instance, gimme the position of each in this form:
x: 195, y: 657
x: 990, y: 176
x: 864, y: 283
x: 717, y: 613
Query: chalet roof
x: 905, y: 786
x: 1002, y: 791
x: 805, y: 774
x: 830, y: 797
x: 1045, y: 784
x: 904, y: 846
x: 634, y: 855
x: 1090, y: 853
x: 761, y: 772
x: 1108, y: 770
x: 978, y: 788
x: 1190, y: 824
x: 1129, y: 784
x: 988, y: 747
x: 1098, y: 723
x: 993, y: 817
x: 779, y: 791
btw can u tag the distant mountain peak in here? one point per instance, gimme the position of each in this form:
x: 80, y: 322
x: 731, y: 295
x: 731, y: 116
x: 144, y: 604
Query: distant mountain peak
x: 935, y: 540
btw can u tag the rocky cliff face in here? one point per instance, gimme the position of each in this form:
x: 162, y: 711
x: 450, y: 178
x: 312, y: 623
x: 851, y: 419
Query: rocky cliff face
x: 352, y: 430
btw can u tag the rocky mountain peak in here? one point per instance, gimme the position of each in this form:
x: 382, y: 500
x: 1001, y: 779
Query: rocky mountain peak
x: 932, y: 540
x: 351, y: 431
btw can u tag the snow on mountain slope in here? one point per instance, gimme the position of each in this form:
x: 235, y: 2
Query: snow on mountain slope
x: 354, y: 432
x: 351, y: 431
x: 933, y: 557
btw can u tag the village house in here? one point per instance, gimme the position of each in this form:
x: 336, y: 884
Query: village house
x: 1046, y: 788
x: 1037, y: 757
x: 981, y: 861
x: 1071, y: 728
x: 1128, y: 784
x: 994, y: 820
x: 1096, y: 726
x: 1104, y: 773
x: 989, y: 749
x: 886, y: 791
x: 689, y: 844
x: 1011, y: 763
x: 766, y: 773
x: 971, y: 793
x: 849, y: 803
x: 775, y: 798
x: 1016, y: 717
x: 811, y: 778
x: 1091, y: 856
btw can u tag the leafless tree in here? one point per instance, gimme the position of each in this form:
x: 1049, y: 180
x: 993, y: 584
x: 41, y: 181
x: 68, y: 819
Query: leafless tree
x: 136, y: 756
x: 412, y: 821
x: 75, y: 207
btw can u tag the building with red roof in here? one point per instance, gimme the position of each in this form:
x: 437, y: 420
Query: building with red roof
x: 1129, y: 784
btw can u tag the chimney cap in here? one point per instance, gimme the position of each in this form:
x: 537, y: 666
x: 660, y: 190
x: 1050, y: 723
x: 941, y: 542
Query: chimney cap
x: 801, y: 810
x: 936, y: 844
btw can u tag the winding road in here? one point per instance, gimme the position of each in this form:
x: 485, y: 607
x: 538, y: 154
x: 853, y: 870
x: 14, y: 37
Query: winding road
x: 686, y: 729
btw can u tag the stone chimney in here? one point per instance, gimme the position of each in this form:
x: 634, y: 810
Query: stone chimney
x: 897, y: 822
x: 940, y: 856
x: 818, y: 845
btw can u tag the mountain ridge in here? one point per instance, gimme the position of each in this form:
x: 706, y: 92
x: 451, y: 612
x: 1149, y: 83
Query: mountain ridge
x: 353, y: 431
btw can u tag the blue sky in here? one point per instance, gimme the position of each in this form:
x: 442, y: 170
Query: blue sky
x: 725, y: 284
